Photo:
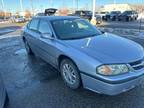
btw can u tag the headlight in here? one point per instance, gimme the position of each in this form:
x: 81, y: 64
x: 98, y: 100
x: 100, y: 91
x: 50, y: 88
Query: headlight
x: 114, y: 69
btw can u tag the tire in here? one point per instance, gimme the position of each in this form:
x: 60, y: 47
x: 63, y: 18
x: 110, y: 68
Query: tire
x: 127, y: 19
x: 114, y: 18
x: 28, y: 49
x: 71, y: 79
x: 135, y: 18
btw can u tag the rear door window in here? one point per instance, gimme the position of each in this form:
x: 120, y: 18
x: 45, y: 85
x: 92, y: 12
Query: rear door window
x: 34, y: 24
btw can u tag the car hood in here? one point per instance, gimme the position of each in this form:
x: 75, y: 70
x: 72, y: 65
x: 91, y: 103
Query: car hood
x: 108, y: 48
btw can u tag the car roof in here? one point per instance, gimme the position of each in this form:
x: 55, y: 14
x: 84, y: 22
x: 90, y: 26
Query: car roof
x: 55, y: 17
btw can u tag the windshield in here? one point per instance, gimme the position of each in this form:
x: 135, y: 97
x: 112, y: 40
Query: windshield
x: 115, y: 12
x: 74, y: 29
x: 127, y: 12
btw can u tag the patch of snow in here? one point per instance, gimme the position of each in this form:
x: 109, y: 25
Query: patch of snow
x: 8, y: 36
x: 21, y: 51
x: 141, y: 16
x: 6, y: 31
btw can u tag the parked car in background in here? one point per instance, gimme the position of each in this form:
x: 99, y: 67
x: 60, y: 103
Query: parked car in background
x: 1, y: 20
x: 50, y: 11
x: 3, y: 94
x: 84, y: 14
x: 98, y: 19
x: 17, y: 19
x: 113, y: 15
x: 102, y: 15
x: 40, y: 14
x: 20, y: 20
x: 87, y: 15
x: 128, y: 16
x: 101, y: 62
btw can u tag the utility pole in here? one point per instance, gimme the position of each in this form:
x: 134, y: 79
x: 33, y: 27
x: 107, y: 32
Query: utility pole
x: 63, y: 3
x: 50, y: 3
x: 41, y: 6
x: 32, y: 9
x: 74, y: 5
x: 21, y: 5
x: 2, y: 2
x: 94, y: 6
x: 77, y: 4
x: 114, y: 2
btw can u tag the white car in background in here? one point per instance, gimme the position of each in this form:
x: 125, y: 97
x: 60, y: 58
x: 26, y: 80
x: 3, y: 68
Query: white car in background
x: 141, y: 16
x: 19, y: 20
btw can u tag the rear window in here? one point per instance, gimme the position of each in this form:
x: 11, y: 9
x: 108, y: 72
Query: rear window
x: 34, y: 24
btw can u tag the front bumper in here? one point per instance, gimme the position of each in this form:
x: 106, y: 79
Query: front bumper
x: 102, y: 87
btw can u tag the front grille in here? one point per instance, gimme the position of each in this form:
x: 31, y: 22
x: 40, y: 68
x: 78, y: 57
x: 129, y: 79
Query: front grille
x: 137, y: 65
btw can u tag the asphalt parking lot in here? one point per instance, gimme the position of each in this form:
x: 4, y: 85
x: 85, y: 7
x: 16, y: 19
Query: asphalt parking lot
x: 32, y: 83
x: 125, y: 25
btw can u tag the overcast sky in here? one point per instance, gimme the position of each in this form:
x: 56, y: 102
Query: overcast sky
x: 14, y: 5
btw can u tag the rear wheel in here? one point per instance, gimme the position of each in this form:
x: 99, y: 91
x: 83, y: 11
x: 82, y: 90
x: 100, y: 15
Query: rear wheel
x: 28, y: 49
x: 70, y: 74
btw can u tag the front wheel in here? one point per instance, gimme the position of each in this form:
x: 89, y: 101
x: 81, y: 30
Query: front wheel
x: 70, y: 74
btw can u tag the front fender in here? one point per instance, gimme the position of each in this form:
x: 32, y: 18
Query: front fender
x: 84, y: 62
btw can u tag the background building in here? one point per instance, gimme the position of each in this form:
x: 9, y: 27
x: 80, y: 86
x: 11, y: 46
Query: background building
x: 115, y: 7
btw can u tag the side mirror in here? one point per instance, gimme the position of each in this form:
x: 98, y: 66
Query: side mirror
x: 47, y: 36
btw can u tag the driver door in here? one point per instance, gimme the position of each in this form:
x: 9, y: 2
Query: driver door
x: 47, y: 45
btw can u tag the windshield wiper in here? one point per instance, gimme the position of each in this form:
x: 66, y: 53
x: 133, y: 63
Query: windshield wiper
x: 74, y: 38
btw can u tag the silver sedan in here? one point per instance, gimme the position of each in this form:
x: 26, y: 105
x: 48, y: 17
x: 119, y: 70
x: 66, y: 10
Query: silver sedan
x: 101, y: 62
